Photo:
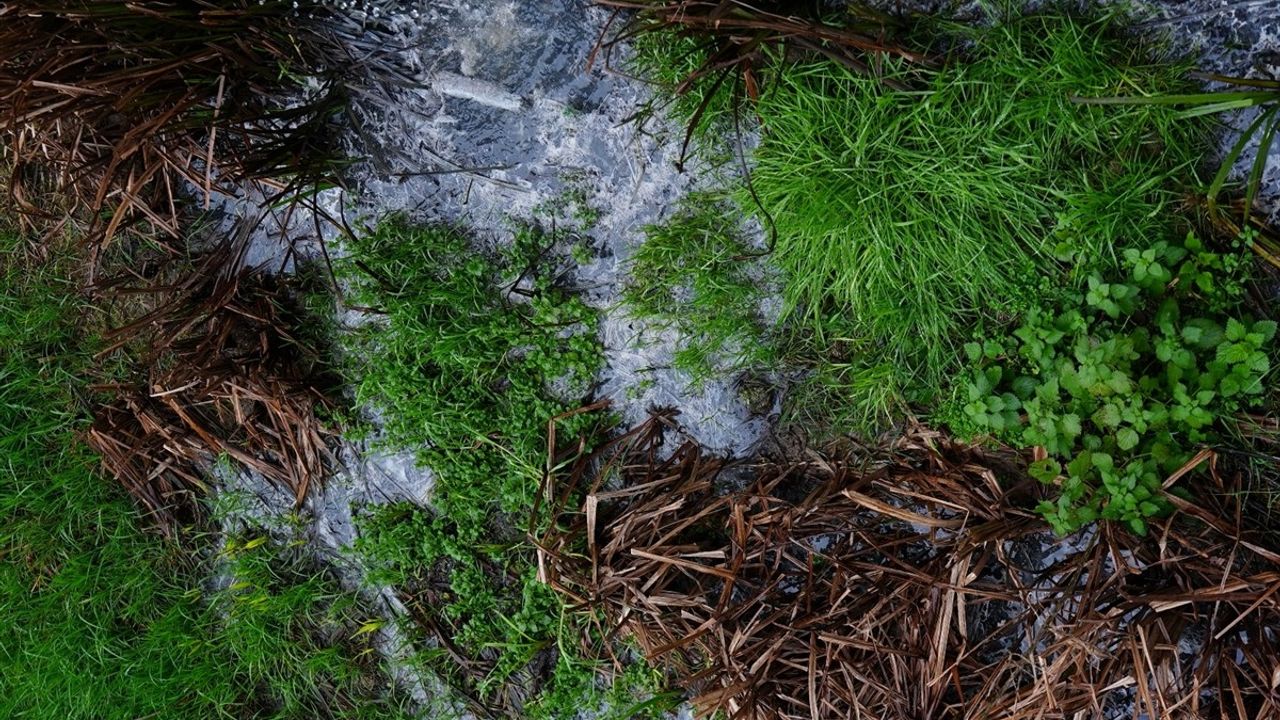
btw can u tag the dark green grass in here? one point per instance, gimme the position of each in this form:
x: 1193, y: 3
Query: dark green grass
x: 104, y: 620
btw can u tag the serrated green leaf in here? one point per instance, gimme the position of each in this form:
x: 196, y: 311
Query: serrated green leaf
x: 1236, y: 330
x: 1081, y: 465
x: 1024, y: 387
x: 1233, y: 353
x: 1046, y: 470
x: 1127, y: 438
x: 1107, y: 416
x: 1071, y: 424
x: 1230, y: 386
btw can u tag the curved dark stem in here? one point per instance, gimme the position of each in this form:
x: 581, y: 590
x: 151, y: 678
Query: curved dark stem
x: 771, y: 227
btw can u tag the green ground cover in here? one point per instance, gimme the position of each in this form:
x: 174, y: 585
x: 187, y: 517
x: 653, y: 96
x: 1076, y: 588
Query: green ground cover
x: 1121, y: 381
x: 104, y: 619
x: 906, y: 218
x: 466, y: 356
x: 696, y: 274
x: 977, y: 248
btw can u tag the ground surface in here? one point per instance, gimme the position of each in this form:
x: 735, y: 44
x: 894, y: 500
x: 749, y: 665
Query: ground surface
x: 513, y: 122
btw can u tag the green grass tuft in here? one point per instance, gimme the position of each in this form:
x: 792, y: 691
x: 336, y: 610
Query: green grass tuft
x: 467, y: 357
x: 105, y: 621
x: 697, y: 275
x: 905, y: 217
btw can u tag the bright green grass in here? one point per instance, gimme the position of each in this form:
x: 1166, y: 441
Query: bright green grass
x: 667, y: 60
x: 103, y: 620
x: 697, y: 275
x: 461, y: 361
x: 905, y: 219
x: 466, y: 357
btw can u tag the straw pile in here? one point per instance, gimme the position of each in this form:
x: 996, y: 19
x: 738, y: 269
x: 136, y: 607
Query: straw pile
x: 223, y: 377
x: 910, y: 585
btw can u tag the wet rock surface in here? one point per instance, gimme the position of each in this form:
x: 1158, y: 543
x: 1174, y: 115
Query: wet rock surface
x: 1234, y: 38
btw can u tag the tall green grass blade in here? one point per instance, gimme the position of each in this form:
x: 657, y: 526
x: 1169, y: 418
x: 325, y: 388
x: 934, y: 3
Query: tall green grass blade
x: 1242, y: 81
x: 1215, y: 108
x: 1260, y: 162
x: 1213, y: 103
x: 1220, y: 179
x: 1250, y: 97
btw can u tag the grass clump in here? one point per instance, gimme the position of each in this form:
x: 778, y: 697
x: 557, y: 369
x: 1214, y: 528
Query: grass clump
x: 467, y: 357
x: 1259, y: 94
x: 1120, y: 381
x: 911, y: 207
x: 905, y: 217
x: 694, y: 274
x: 106, y: 621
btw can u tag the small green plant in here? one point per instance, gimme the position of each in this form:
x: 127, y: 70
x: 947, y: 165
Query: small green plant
x: 467, y: 356
x: 1119, y: 381
x: 573, y: 206
x: 697, y: 275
